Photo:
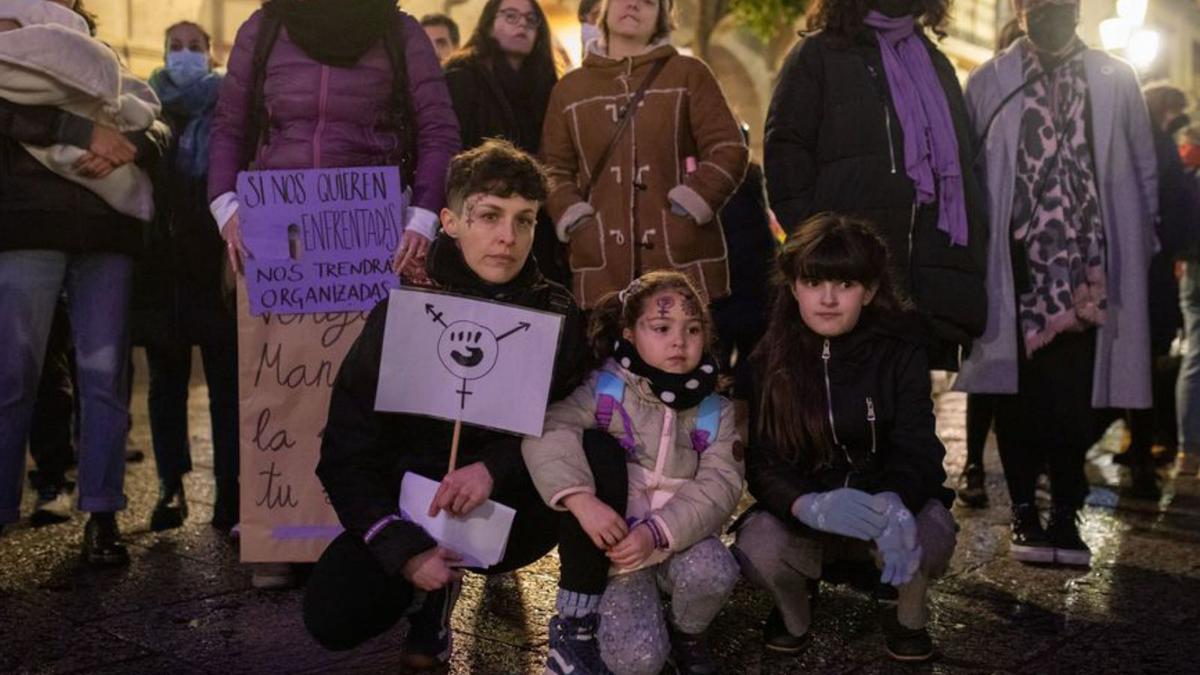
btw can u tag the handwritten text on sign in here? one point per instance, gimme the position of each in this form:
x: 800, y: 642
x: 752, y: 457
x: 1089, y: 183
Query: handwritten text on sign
x: 321, y: 240
x: 485, y: 363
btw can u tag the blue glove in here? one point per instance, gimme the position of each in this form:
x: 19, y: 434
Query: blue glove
x: 845, y: 511
x: 898, y: 541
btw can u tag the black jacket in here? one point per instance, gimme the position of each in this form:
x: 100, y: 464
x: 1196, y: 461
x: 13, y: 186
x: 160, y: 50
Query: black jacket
x: 834, y: 143
x: 364, y: 454
x: 42, y: 210
x: 883, y: 419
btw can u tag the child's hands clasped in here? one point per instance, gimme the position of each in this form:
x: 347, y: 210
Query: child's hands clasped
x: 634, y: 548
x: 898, y: 541
x: 605, y: 526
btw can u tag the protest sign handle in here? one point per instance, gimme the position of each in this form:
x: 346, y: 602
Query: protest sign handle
x: 454, y: 446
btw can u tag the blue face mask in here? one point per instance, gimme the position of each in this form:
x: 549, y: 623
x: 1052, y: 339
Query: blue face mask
x: 186, y: 66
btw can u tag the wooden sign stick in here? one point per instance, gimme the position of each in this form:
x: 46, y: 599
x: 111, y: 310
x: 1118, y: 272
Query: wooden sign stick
x: 454, y: 446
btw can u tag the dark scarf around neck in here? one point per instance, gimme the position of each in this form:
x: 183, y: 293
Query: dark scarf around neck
x: 334, y: 32
x: 677, y: 391
x: 449, y: 270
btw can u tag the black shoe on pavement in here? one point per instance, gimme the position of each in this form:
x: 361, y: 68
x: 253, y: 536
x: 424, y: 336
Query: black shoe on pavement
x: 690, y: 654
x: 102, y: 542
x: 226, y: 510
x: 1029, y: 541
x: 903, y: 643
x: 972, y: 490
x: 171, y: 509
x: 430, y: 638
x: 573, y: 648
x: 776, y: 637
x: 53, y: 505
x: 1144, y: 483
x: 1063, y: 530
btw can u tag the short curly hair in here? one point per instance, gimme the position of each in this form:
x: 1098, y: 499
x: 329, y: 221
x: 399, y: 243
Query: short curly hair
x: 497, y: 168
x: 844, y: 18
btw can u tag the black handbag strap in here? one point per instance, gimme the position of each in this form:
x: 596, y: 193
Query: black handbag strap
x: 622, y: 124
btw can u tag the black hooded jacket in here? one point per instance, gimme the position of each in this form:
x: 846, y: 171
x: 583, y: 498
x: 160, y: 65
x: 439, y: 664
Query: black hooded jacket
x: 364, y: 453
x: 885, y: 440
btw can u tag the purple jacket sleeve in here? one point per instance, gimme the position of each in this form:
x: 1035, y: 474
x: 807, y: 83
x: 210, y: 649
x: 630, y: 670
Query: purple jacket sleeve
x: 227, y: 145
x: 437, y: 125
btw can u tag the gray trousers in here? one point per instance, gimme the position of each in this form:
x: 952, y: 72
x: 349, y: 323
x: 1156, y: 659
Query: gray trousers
x: 781, y: 560
x: 633, y: 634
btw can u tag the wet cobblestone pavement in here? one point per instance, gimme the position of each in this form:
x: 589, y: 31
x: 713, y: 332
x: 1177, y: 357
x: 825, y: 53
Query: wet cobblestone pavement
x: 185, y: 605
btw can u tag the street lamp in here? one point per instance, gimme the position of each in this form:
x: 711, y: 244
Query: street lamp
x: 1143, y: 48
x: 1124, y: 33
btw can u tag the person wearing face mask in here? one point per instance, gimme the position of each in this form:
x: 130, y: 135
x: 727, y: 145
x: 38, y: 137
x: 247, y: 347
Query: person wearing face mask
x: 500, y: 84
x: 642, y: 151
x: 179, y: 298
x: 1072, y: 190
x: 868, y: 120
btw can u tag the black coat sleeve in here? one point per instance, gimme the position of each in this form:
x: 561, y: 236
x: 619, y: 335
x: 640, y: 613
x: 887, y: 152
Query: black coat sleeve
x: 775, y: 482
x: 41, y: 125
x: 463, y: 92
x: 151, y: 143
x: 790, y: 143
x: 913, y: 467
x: 357, y: 462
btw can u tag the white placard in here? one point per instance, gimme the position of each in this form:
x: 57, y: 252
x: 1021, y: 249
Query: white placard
x: 486, y: 363
x: 480, y: 537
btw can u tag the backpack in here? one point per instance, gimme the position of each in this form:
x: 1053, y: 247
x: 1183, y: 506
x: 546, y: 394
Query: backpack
x: 610, y: 391
x: 257, y: 128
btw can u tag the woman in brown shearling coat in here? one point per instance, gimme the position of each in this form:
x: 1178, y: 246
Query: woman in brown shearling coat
x: 653, y: 204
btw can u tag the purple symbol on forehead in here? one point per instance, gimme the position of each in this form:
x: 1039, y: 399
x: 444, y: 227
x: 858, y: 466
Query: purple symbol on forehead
x: 665, y: 304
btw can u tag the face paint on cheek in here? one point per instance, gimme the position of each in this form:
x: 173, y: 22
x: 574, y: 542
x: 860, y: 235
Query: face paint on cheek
x: 665, y: 305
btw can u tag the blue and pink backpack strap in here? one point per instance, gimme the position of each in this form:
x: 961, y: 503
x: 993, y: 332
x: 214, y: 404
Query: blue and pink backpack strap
x: 708, y: 423
x: 610, y: 391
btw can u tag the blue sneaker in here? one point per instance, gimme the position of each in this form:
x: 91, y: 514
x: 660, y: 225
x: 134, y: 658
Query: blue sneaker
x: 573, y: 647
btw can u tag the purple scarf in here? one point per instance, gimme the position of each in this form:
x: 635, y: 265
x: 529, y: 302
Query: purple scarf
x: 930, y: 146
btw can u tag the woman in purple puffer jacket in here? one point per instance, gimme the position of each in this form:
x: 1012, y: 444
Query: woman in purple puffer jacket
x: 327, y: 91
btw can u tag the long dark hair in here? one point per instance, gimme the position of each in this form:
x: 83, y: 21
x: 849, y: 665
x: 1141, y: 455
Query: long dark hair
x: 792, y: 408
x: 539, y: 65
x: 844, y: 18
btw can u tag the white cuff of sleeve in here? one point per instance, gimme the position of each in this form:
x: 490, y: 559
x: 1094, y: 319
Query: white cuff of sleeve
x: 223, y: 208
x: 422, y: 221
x: 691, y: 201
x: 572, y: 217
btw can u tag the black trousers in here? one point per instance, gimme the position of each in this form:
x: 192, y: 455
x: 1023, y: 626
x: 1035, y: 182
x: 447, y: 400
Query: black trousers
x: 51, y: 439
x: 1050, y: 421
x: 981, y: 410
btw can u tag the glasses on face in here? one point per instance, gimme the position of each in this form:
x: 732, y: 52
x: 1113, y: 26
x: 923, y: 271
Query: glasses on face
x: 513, y: 17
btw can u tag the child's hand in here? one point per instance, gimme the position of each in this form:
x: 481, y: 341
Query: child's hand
x: 605, y: 526
x: 633, y: 549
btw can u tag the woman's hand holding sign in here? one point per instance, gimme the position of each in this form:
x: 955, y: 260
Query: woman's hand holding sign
x: 463, y: 490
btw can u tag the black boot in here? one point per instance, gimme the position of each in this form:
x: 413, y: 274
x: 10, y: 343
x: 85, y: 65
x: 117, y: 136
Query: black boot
x: 1029, y: 540
x: 690, y: 654
x: 1144, y: 483
x: 171, y: 508
x: 1063, y: 531
x: 102, y: 542
x: 904, y: 643
x: 972, y: 491
x: 226, y: 510
x: 777, y: 638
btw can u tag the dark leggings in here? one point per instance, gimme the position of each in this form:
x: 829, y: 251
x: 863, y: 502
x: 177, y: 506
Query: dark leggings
x: 981, y: 408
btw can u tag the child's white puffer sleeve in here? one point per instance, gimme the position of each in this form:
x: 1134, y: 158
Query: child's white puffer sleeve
x: 556, y: 461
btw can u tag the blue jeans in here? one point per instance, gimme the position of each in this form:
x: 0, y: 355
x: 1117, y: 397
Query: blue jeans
x: 97, y: 287
x: 1187, y: 388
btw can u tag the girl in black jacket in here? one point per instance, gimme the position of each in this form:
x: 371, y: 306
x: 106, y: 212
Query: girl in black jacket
x: 843, y: 451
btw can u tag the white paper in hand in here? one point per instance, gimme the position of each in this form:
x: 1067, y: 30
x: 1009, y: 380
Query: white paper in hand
x: 480, y: 537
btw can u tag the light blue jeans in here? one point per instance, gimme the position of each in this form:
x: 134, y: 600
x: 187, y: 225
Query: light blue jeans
x: 97, y: 287
x: 1187, y: 388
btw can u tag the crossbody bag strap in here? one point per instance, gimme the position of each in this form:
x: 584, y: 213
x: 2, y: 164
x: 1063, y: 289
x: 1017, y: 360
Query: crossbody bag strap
x: 622, y: 124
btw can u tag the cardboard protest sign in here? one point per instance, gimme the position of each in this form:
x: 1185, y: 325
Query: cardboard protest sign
x: 485, y: 363
x: 321, y: 240
x: 286, y: 368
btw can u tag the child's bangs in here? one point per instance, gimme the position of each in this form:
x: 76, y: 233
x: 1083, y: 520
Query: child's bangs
x: 835, y: 258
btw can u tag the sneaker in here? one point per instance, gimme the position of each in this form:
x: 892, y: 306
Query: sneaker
x: 1063, y: 530
x: 573, y: 647
x: 972, y: 491
x: 904, y: 643
x: 1029, y: 541
x: 690, y: 654
x: 430, y: 639
x: 272, y: 576
x: 171, y: 509
x: 1187, y: 464
x: 777, y: 638
x: 102, y: 542
x: 54, y: 505
x: 1144, y: 483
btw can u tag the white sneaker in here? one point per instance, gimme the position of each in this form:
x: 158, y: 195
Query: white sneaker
x: 272, y: 576
x: 53, y: 505
x: 1187, y: 464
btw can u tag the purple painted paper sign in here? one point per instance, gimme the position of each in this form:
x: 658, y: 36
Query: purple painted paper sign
x: 321, y: 240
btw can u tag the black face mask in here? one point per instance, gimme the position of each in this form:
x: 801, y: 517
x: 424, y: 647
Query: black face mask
x: 1052, y: 27
x: 895, y: 8
x: 1178, y: 123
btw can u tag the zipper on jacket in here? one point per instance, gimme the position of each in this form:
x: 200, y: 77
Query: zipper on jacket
x: 871, y: 421
x: 320, y: 128
x: 825, y: 354
x: 912, y: 231
x: 887, y: 117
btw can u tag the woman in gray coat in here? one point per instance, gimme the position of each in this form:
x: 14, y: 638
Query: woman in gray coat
x: 1072, y: 198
